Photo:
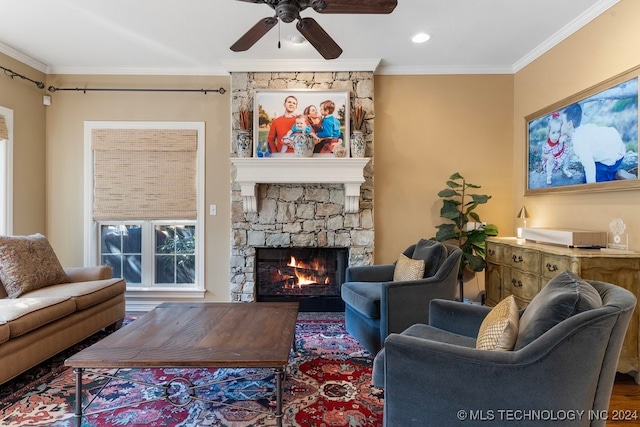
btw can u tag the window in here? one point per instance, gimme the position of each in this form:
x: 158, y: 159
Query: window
x: 6, y: 171
x: 143, y: 211
x: 173, y: 252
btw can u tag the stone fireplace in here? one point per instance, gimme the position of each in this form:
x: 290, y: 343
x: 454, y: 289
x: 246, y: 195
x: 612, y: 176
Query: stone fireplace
x: 300, y: 202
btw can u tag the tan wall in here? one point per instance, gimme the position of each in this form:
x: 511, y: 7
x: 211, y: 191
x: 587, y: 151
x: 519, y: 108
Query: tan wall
x: 604, y: 48
x: 427, y: 128
x: 25, y: 99
x: 65, y: 146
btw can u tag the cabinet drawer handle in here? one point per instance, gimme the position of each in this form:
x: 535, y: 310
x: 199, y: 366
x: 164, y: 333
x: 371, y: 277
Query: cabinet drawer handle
x: 516, y: 283
x: 552, y: 267
x: 517, y: 258
x: 492, y: 252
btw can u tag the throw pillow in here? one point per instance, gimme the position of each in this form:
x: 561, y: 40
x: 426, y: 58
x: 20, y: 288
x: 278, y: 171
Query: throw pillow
x: 433, y: 253
x: 499, y: 330
x: 565, y: 295
x: 408, y: 269
x: 28, y: 263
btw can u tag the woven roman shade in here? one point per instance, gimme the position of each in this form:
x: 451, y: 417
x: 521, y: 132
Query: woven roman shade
x: 144, y: 174
x: 4, y: 131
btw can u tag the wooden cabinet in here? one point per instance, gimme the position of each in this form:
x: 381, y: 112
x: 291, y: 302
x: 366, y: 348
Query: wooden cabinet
x: 520, y: 268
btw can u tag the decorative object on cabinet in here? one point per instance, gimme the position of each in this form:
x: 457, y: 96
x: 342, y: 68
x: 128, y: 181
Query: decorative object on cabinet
x: 278, y: 115
x: 619, y: 235
x: 566, y: 237
x: 520, y: 268
x: 523, y: 215
x: 559, y: 156
x: 467, y: 231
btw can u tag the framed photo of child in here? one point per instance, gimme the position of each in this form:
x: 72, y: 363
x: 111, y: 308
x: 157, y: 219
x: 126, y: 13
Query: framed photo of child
x: 588, y: 142
x: 323, y: 115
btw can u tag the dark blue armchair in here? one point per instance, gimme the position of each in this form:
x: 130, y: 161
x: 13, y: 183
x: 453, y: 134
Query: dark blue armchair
x: 376, y: 305
x: 434, y: 376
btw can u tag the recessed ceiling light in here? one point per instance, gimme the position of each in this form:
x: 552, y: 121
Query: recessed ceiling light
x: 420, y: 38
x: 296, y: 39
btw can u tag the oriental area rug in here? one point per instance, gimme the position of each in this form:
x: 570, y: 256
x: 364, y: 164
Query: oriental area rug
x: 328, y: 384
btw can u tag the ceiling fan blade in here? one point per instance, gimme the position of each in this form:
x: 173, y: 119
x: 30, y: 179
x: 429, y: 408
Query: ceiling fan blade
x: 358, y: 6
x: 254, y: 34
x: 319, y: 38
x: 253, y: 1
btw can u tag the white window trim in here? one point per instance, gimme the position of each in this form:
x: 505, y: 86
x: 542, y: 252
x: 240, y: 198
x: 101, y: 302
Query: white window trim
x: 6, y: 180
x: 91, y: 245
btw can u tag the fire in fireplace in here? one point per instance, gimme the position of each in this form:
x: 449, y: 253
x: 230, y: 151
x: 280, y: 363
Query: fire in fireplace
x: 311, y: 276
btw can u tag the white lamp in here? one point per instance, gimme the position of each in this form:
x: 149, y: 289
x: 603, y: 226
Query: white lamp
x: 523, y: 215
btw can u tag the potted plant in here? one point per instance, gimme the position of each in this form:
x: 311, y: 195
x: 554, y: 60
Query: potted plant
x: 465, y: 228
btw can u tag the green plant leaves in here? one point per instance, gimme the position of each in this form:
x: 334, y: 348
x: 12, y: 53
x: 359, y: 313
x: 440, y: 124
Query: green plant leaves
x: 460, y: 212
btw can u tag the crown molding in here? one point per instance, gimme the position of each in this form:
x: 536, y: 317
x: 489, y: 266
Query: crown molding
x: 587, y: 16
x: 438, y: 69
x: 151, y: 71
x: 296, y: 65
x: 25, y: 59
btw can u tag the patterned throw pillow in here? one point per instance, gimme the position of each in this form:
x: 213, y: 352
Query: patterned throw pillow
x: 499, y: 330
x: 408, y: 269
x: 28, y: 263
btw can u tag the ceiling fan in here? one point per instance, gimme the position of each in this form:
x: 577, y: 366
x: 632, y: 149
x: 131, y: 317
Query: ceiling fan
x: 289, y: 10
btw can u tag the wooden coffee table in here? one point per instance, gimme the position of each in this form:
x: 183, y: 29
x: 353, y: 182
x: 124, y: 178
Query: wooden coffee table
x: 197, y: 335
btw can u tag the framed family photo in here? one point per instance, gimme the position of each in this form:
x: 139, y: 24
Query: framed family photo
x: 587, y: 142
x: 278, y: 115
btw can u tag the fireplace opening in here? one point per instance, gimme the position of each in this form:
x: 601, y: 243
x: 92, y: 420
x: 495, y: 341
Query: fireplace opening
x: 311, y: 276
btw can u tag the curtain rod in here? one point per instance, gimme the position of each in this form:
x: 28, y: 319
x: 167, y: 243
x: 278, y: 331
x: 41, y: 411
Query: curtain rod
x: 40, y: 85
x: 13, y: 74
x: 221, y: 90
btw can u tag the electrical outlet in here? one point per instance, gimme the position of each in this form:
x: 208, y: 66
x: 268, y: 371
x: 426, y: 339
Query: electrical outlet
x: 212, y: 210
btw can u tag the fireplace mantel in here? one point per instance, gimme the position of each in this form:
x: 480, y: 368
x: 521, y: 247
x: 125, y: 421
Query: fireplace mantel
x: 296, y: 170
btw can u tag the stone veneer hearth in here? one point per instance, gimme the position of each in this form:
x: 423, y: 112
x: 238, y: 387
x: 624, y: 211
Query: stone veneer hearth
x: 300, y: 215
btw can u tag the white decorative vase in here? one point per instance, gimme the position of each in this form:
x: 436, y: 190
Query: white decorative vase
x: 244, y: 144
x: 303, y: 145
x: 358, y: 144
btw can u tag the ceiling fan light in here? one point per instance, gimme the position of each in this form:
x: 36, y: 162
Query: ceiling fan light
x: 296, y: 39
x: 420, y: 38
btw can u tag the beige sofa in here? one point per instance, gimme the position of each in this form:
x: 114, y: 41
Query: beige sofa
x: 42, y: 322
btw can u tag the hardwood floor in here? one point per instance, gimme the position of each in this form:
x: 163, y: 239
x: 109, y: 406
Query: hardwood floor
x: 625, y: 402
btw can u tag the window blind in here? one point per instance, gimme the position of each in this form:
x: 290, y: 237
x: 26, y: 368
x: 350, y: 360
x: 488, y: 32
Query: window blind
x: 4, y: 131
x: 144, y: 174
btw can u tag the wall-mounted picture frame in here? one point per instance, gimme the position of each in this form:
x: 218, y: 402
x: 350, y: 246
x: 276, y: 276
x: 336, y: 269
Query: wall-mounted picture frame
x: 587, y: 142
x: 279, y: 114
